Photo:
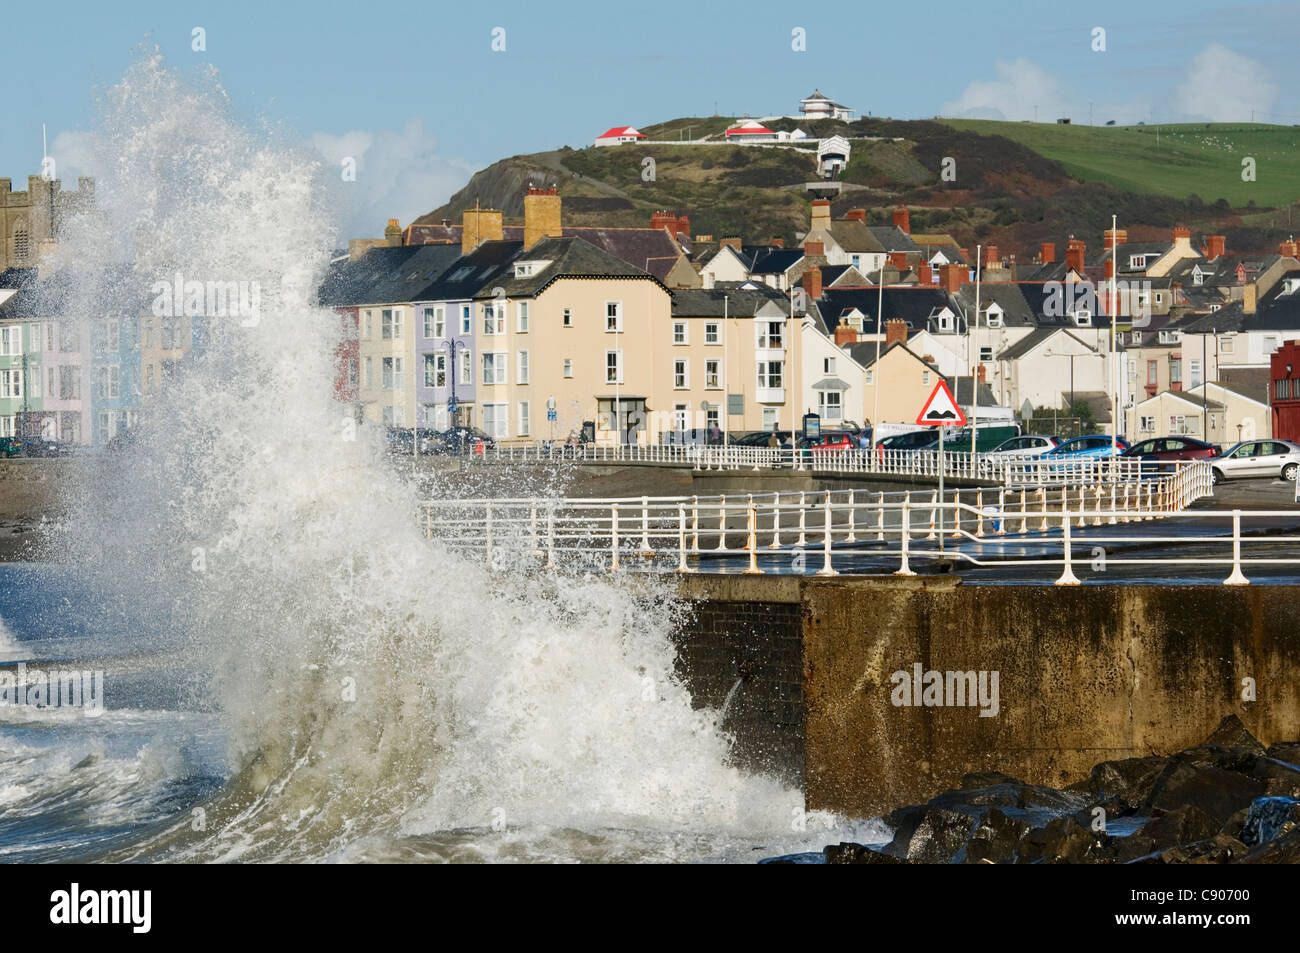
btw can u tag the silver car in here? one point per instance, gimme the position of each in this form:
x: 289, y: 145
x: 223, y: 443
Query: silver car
x: 1258, y: 458
x: 1027, y: 445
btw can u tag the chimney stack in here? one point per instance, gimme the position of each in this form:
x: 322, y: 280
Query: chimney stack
x: 903, y: 220
x: 1288, y: 248
x: 895, y: 332
x: 1047, y: 254
x: 856, y: 215
x: 925, y: 274
x: 778, y: 243
x: 991, y: 259
x: 731, y: 241
x: 821, y: 214
x: 1074, y: 255
x: 393, y: 233
x: 982, y: 373
x: 954, y: 276
x: 1248, y: 298
x: 844, y: 334
x: 541, y: 216
x: 683, y: 225
x: 812, y: 283
x: 898, y: 259
x: 666, y: 220
x: 479, y: 225
x: 1214, y: 246
x: 813, y: 247
x: 1117, y: 235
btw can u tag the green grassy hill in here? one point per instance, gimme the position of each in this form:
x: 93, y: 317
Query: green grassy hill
x: 1202, y: 159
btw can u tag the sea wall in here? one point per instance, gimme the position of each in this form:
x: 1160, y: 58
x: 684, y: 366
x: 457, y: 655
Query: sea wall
x: 1070, y: 675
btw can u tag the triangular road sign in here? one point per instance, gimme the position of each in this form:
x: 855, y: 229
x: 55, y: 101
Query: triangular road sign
x: 941, y: 409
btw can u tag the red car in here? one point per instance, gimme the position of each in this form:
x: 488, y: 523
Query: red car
x: 836, y: 441
x: 1172, y: 448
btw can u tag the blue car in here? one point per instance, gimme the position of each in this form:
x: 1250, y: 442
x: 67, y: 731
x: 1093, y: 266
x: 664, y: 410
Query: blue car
x: 1095, y: 445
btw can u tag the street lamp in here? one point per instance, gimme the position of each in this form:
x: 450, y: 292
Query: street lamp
x: 1050, y: 353
x: 453, y: 410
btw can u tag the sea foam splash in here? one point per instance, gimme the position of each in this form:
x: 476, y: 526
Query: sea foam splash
x: 376, y: 689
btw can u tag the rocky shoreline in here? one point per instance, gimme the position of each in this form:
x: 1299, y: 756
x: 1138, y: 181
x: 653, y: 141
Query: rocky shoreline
x: 1228, y: 800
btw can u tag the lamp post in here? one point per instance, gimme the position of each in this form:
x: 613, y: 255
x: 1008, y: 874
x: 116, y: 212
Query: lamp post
x: 1050, y: 353
x: 453, y: 410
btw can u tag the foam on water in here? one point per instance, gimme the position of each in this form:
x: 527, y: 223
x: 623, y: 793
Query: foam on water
x: 377, y: 692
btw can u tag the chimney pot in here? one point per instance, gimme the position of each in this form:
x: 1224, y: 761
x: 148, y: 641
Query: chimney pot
x: 903, y: 220
x: 812, y: 282
x: 844, y: 334
x: 895, y: 332
x: 1047, y: 254
x: 856, y: 215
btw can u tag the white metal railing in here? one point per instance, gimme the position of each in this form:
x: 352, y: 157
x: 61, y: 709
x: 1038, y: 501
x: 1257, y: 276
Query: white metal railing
x: 829, y: 532
x: 1010, y: 471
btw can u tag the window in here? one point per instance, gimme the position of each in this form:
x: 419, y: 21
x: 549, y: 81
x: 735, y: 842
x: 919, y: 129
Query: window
x: 769, y: 334
x: 681, y: 374
x: 1225, y: 344
x: 494, y: 317
x: 148, y: 380
x: 370, y: 377
x: 112, y: 335
x: 681, y: 417
x: 568, y: 367
x: 712, y: 379
x: 107, y: 424
x: 172, y: 337
x: 69, y: 382
x: 391, y: 369
x: 945, y: 320
x: 613, y: 367
x: 465, y: 319
x: 435, y: 370
x: 496, y: 420
x: 390, y: 324
x: 435, y: 322
x: 1282, y: 389
x: 1137, y: 261
x: 494, y: 367
x: 50, y: 389
x: 11, y: 340
x: 7, y: 425
x: 525, y: 425
x: 1194, y: 373
x: 993, y: 316
x: 711, y: 335
x: 613, y: 316
x: 1175, y: 372
x: 22, y: 244
x: 828, y: 365
x: 1146, y: 424
x: 69, y: 339
x: 11, y: 383
x: 521, y: 324
x: 567, y: 319
x: 49, y: 337
x: 679, y: 333
x: 1153, y: 373
x: 109, y: 381
x: 466, y: 367
x: 769, y: 373
x: 711, y: 416
x: 1177, y: 423
x: 365, y: 325
x: 986, y: 353
x: 521, y: 367
x: 771, y: 418
x: 829, y: 404
x: 925, y: 377
x: 871, y: 377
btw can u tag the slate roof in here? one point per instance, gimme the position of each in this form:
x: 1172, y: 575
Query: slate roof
x: 484, y: 267
x: 712, y: 302
x: 961, y: 390
x: 119, y: 290
x: 1032, y: 340
x: 915, y: 305
x: 569, y: 257
x: 1097, y: 401
x: 386, y: 275
x: 892, y: 238
x: 864, y: 352
x: 1252, y: 382
x: 1016, y: 312
x: 853, y: 236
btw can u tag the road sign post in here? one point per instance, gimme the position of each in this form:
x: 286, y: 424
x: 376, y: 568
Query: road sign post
x: 941, y: 411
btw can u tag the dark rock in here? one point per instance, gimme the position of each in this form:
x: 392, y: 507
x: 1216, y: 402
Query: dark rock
x: 1269, y: 818
x: 1231, y: 733
x: 1288, y: 751
x: 857, y: 854
x: 986, y: 779
x: 1219, y: 849
x: 1064, y: 841
x: 808, y: 857
x: 1280, y: 778
x: 1216, y: 791
x: 938, y: 836
x: 1280, y: 850
x: 1235, y: 823
x: 995, y: 839
x: 1126, y: 782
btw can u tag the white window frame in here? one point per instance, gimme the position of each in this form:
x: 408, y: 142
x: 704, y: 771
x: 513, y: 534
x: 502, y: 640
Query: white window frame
x: 392, y: 331
x: 521, y: 367
x: 435, y: 322
x: 438, y: 365
x: 566, y: 318
x: 713, y: 375
x: 765, y: 377
x: 617, y: 353
x: 681, y: 373
x: 466, y: 319
x: 466, y: 368
x: 390, y: 373
x: 828, y: 366
x: 712, y: 333
x: 568, y: 367
x: 681, y: 333
x: 614, y: 321
x: 498, y: 363
x: 521, y: 317
x: 524, y: 428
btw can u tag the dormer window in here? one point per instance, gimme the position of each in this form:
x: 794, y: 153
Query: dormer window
x: 994, y: 316
x: 1290, y: 285
x: 1137, y: 261
x: 944, y: 320
x: 527, y: 269
x: 1198, y: 277
x: 1082, y: 317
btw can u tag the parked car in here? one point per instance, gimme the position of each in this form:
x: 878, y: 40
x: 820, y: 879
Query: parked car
x: 1258, y: 458
x: 1172, y: 448
x: 1093, y: 445
x: 912, y: 440
x: 460, y: 441
x: 10, y: 446
x: 39, y: 447
x: 834, y: 441
x: 1026, y: 445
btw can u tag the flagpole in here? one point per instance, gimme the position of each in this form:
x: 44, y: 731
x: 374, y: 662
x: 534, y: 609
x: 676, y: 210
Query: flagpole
x: 875, y: 368
x: 1114, y: 306
x: 974, y: 391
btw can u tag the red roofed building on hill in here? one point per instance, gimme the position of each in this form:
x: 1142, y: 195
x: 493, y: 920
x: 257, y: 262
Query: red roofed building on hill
x: 619, y: 135
x: 750, y: 130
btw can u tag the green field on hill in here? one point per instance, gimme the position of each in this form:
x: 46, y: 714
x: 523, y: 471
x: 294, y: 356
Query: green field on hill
x: 1204, y: 159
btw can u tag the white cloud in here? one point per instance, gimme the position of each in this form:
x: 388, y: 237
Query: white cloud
x: 1224, y: 86
x: 398, y: 175
x: 1020, y: 86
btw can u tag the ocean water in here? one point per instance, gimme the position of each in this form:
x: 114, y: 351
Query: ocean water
x: 291, y: 672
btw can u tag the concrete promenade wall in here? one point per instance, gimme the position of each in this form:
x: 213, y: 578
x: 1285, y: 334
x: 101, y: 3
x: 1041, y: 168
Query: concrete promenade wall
x: 1085, y: 674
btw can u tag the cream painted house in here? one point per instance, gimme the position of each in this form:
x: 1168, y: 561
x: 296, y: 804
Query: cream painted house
x: 834, y: 382
x: 904, y: 380
x: 741, y: 343
x: 386, y: 348
x: 572, y: 329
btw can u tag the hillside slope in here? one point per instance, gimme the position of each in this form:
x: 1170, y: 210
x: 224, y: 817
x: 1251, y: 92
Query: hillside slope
x: 1016, y: 184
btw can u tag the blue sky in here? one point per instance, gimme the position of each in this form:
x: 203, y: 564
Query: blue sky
x: 415, y: 91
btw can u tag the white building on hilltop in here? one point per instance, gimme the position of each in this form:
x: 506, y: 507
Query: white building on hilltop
x: 818, y: 106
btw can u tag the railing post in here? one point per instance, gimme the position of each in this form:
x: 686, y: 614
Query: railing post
x: 851, y: 538
x: 532, y: 526
x: 1068, y: 578
x: 722, y: 522
x: 905, y: 533
x: 681, y: 539
x: 956, y: 515
x: 1237, y: 578
x: 752, y: 542
x: 695, y: 524
x: 880, y: 517
x: 979, y: 518
x: 1002, y: 512
x: 550, y: 536
x: 776, y: 521
x: 803, y: 509
x: 1082, y: 506
x: 1042, y: 500
x: 827, y: 569
x: 645, y: 527
x: 613, y: 536
x: 1113, y: 517
x: 934, y: 498
x: 1024, y: 510
x: 487, y: 533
